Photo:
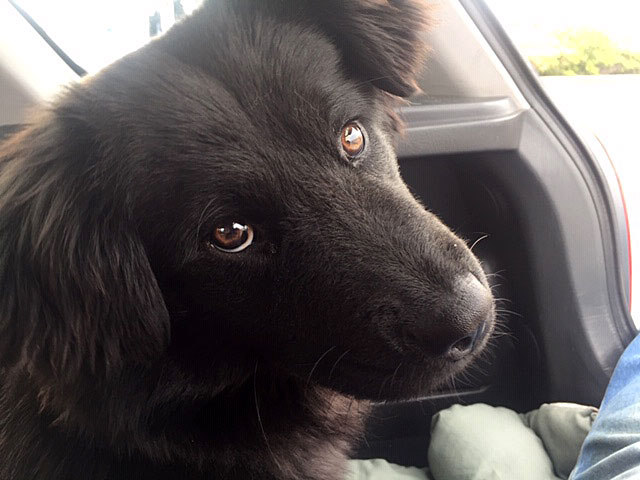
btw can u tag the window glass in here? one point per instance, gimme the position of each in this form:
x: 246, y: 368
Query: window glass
x: 587, y: 53
x: 94, y: 33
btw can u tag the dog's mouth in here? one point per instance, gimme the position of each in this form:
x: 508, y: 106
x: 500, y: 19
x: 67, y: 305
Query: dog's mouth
x: 393, y: 374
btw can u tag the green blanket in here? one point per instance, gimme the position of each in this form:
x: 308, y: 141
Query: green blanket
x: 480, y: 442
x: 379, y: 469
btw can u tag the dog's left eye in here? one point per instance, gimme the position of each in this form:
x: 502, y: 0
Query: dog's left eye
x: 352, y: 139
x: 232, y: 238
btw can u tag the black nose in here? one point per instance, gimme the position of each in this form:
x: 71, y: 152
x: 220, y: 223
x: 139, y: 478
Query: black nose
x: 473, y: 312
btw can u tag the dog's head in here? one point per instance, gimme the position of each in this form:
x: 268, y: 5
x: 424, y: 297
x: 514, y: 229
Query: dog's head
x: 229, y: 195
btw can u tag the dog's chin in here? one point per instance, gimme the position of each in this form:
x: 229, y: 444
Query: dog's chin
x: 385, y: 375
x: 402, y: 382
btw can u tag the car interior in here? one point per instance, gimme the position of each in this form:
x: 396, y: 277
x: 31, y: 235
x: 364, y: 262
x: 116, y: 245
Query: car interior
x: 488, y: 152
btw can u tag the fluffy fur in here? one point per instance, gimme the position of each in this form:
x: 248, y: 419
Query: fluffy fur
x: 129, y: 348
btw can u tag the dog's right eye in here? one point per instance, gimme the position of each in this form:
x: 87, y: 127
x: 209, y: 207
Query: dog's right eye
x: 232, y: 238
x: 352, y: 139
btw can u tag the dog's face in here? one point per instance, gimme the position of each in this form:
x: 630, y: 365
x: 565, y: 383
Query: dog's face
x: 230, y: 195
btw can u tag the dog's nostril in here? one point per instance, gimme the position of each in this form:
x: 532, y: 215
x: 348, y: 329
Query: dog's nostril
x: 475, y: 306
x: 461, y: 348
x: 465, y: 345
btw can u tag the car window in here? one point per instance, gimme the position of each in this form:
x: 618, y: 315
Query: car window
x: 587, y: 56
x: 94, y: 33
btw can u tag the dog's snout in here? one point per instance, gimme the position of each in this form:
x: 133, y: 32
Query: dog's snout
x: 476, y: 298
x: 473, y: 315
x: 461, y: 326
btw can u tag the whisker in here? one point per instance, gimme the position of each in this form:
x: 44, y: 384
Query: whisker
x: 511, y: 312
x: 503, y: 299
x: 384, y: 381
x: 478, y: 241
x: 454, y: 388
x: 371, y: 80
x: 497, y: 274
x: 498, y: 334
x: 301, y: 97
x: 337, y: 361
x: 264, y: 434
x: 201, y: 219
x: 316, y: 365
x: 393, y: 377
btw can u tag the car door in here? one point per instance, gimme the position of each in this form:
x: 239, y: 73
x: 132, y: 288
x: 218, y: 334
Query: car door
x: 488, y: 150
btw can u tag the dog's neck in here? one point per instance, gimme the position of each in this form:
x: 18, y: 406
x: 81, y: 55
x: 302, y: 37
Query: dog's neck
x: 266, y: 428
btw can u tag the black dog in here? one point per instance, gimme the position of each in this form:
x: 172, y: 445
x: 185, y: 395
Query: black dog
x: 209, y: 262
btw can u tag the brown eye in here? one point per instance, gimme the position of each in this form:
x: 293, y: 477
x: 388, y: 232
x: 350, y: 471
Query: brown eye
x: 233, y: 237
x: 352, y: 139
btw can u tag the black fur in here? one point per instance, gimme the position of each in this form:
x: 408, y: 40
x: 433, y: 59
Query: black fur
x: 129, y: 348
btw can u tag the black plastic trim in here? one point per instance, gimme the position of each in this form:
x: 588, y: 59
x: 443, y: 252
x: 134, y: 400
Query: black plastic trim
x: 474, y: 125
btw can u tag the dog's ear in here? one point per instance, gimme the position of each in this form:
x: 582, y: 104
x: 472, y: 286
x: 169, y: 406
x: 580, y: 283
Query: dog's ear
x: 77, y: 289
x: 381, y: 41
